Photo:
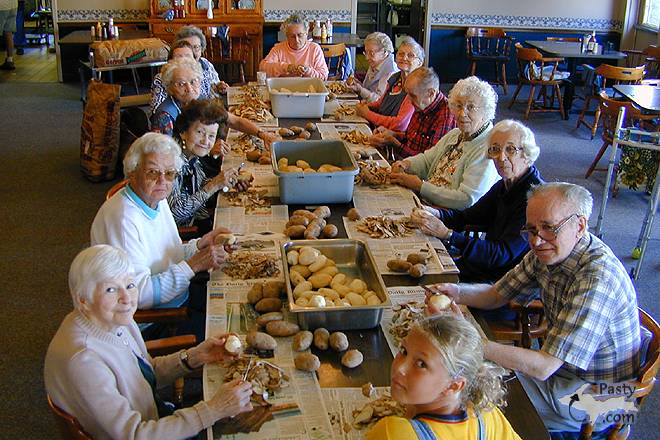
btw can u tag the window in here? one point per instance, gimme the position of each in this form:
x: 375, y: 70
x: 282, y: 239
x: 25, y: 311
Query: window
x: 649, y: 13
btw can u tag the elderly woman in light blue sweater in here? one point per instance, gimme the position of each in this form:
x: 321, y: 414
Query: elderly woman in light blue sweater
x: 98, y: 370
x: 457, y: 171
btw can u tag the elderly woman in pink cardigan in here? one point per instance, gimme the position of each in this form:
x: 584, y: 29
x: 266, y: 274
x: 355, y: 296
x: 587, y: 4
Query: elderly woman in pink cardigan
x: 297, y: 56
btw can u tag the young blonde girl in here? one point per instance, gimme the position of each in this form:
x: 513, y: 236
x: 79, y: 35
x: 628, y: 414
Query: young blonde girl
x: 449, y: 391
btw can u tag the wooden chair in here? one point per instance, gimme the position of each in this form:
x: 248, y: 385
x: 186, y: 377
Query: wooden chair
x: 649, y: 56
x: 531, y: 62
x: 70, y: 428
x: 644, y: 382
x: 230, y: 62
x: 609, y: 111
x: 609, y: 75
x: 529, y: 324
x: 490, y: 45
x: 334, y: 55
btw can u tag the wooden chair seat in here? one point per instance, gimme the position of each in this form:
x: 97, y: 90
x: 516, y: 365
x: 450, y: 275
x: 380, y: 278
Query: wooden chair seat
x: 532, y: 72
x: 489, y: 45
x: 643, y: 385
x: 609, y: 112
x: 230, y: 57
x: 608, y: 76
x: 529, y: 324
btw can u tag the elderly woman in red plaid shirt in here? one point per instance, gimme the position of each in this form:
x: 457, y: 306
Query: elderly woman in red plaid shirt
x: 430, y: 121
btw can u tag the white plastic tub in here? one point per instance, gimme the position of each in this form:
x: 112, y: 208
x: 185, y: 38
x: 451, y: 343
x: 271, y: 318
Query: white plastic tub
x: 315, y: 188
x: 300, y: 102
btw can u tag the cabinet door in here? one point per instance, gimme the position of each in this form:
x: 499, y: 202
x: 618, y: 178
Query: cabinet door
x: 158, y: 7
x: 243, y: 7
x: 199, y: 8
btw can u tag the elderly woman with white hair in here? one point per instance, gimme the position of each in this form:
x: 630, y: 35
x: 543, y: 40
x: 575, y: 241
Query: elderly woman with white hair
x: 297, y: 56
x: 379, y: 51
x: 97, y: 368
x: 456, y: 172
x: 138, y: 219
x: 512, y: 147
x: 193, y: 36
x: 182, y: 79
x: 394, y: 109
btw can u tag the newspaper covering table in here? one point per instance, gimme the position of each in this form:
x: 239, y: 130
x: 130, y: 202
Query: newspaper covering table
x: 340, y: 404
x: 390, y: 200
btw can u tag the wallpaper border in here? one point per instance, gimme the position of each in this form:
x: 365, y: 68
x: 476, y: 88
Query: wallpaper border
x: 523, y: 21
x: 277, y: 15
x: 102, y: 14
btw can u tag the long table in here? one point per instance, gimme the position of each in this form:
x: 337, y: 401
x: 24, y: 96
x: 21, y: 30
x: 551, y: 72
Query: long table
x: 337, y: 384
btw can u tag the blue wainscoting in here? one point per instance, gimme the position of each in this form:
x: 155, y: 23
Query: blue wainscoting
x: 447, y: 51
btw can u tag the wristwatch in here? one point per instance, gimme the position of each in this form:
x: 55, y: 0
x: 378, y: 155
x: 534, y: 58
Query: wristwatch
x: 183, y: 357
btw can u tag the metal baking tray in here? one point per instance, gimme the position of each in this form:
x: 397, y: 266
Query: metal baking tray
x: 354, y: 259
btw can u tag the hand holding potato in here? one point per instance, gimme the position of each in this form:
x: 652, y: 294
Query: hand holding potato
x: 451, y: 290
x: 400, y: 166
x: 211, y: 257
x: 211, y: 350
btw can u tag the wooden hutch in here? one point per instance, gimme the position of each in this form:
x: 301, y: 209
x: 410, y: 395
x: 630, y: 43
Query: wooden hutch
x: 245, y: 19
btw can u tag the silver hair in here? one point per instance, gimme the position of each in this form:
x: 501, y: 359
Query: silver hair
x: 151, y: 143
x: 462, y: 353
x: 95, y: 265
x: 414, y: 45
x: 381, y: 40
x: 295, y: 19
x: 512, y: 127
x: 167, y: 71
x: 191, y: 31
x: 474, y: 88
x: 577, y: 196
x: 426, y: 79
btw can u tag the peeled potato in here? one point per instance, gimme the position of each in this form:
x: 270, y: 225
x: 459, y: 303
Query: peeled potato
x: 373, y: 300
x: 302, y: 302
x: 319, y: 280
x: 296, y: 278
x: 341, y: 289
x: 440, y: 301
x: 307, y: 255
x: 340, y: 278
x: 330, y: 270
x: 316, y: 301
x: 358, y: 286
x: 292, y: 258
x: 319, y: 264
x: 302, y: 270
x: 301, y: 163
x: 302, y: 287
x: 233, y: 344
x: 356, y: 299
x: 282, y: 162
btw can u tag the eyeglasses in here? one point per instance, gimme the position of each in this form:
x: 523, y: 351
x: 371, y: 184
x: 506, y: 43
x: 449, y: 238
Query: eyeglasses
x: 547, y: 232
x: 509, y: 150
x: 373, y: 53
x: 196, y: 47
x: 406, y: 55
x: 183, y: 83
x: 468, y: 108
x: 153, y: 175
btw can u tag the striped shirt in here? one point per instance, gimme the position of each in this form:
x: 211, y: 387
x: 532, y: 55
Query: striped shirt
x: 187, y: 199
x: 591, y: 307
x: 209, y: 77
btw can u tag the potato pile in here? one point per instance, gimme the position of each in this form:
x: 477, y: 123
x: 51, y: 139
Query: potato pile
x: 262, y: 157
x: 322, y: 340
x: 302, y: 166
x: 310, y: 225
x: 414, y: 264
x: 297, y: 132
x: 317, y: 282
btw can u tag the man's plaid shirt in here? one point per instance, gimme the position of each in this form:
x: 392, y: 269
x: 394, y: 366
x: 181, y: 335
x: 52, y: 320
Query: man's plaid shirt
x: 426, y: 128
x: 591, y: 307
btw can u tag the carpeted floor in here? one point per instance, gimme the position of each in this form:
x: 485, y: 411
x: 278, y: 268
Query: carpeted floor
x: 48, y: 208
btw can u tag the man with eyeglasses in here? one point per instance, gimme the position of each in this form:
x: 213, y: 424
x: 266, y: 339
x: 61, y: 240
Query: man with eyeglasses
x: 431, y: 120
x: 138, y: 220
x: 589, y: 301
